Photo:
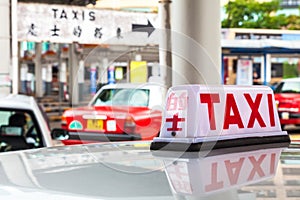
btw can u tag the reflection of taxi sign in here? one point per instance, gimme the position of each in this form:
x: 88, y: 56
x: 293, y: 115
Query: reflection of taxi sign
x: 222, y: 115
x: 208, y: 176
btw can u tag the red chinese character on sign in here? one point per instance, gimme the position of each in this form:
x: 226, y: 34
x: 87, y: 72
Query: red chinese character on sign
x: 182, y: 104
x: 172, y: 102
x: 177, y: 103
x: 175, y: 119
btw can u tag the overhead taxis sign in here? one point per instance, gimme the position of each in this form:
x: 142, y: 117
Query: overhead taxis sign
x: 66, y: 24
x: 197, y: 113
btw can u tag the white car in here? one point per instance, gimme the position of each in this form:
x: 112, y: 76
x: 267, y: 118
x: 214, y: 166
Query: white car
x: 129, y: 170
x: 23, y: 124
x: 166, y: 167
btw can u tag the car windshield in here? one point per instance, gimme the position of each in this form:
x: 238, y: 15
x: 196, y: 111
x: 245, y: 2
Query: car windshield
x: 288, y: 87
x: 123, y: 97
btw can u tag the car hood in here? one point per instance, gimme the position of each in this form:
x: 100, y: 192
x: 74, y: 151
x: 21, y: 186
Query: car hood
x: 290, y: 97
x: 113, y: 111
x: 129, y: 170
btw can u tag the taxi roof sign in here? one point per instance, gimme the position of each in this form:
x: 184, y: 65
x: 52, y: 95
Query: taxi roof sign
x: 222, y: 115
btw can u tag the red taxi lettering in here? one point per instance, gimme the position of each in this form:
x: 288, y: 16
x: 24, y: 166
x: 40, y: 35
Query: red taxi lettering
x: 255, y: 115
x: 272, y: 167
x: 215, y: 184
x: 232, y: 114
x: 271, y: 109
x: 236, y: 117
x: 234, y: 169
x: 210, y: 99
x: 256, y: 167
x: 240, y: 167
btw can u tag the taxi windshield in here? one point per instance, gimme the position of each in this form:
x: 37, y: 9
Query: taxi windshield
x: 122, y: 97
x: 288, y: 87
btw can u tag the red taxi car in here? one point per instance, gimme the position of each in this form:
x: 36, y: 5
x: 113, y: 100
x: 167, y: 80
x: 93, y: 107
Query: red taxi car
x: 117, y: 112
x: 287, y: 96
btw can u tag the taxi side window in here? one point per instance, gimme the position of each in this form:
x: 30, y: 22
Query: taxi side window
x: 104, y: 97
x: 4, y: 116
x: 288, y: 87
x: 139, y: 98
x: 10, y: 120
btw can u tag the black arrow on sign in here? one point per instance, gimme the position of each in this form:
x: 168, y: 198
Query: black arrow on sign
x: 149, y: 28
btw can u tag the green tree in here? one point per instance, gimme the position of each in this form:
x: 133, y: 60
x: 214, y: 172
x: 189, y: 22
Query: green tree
x: 254, y: 14
x: 290, y: 70
x: 293, y: 22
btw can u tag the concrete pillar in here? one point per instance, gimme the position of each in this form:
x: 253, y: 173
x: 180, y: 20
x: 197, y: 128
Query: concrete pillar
x: 5, y: 50
x: 44, y: 77
x: 38, y: 70
x: 268, y: 69
x: 23, y: 77
x: 62, y: 79
x: 262, y: 68
x: 61, y: 76
x: 102, y: 73
x: 165, y: 52
x: 48, y: 80
x: 73, y: 73
x: 14, y: 46
x: 196, y: 42
x: 30, y: 84
x: 80, y: 79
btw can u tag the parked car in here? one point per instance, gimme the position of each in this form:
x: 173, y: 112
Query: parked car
x: 23, y: 124
x: 117, y: 112
x: 287, y: 96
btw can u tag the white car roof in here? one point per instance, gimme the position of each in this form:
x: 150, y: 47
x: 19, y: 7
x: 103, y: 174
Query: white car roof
x: 131, y: 85
x: 126, y: 170
x: 297, y: 79
x: 17, y: 101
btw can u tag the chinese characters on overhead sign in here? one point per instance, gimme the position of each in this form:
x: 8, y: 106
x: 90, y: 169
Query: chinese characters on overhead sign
x: 66, y: 24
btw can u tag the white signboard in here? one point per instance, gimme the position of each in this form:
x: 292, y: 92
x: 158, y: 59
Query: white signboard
x: 67, y: 24
x: 244, y: 72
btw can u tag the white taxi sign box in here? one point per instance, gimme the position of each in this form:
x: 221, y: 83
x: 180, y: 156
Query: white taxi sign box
x: 208, y: 176
x: 221, y: 115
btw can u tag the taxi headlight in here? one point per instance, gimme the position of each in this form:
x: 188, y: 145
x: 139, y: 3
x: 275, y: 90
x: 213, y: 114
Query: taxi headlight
x: 276, y: 103
x: 63, y: 121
